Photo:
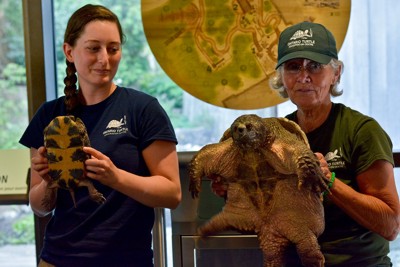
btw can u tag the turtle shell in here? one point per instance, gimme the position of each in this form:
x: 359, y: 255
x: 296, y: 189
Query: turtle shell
x: 64, y: 139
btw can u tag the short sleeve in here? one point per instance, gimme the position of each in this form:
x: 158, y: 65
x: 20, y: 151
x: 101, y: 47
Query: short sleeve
x: 371, y: 143
x: 155, y: 125
x: 33, y: 135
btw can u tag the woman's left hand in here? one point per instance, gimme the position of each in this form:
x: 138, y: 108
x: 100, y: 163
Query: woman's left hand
x: 100, y: 167
x: 159, y: 189
x: 324, y: 165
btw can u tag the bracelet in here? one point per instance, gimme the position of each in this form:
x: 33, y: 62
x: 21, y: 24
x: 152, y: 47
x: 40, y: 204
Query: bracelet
x: 333, y: 176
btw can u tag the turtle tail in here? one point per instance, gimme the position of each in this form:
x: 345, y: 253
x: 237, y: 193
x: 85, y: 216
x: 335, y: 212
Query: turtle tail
x: 71, y: 191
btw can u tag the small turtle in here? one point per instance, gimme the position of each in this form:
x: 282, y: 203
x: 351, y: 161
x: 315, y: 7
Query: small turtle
x: 274, y: 184
x: 64, y: 139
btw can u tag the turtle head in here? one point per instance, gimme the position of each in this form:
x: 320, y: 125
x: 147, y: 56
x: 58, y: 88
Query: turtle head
x: 249, y: 131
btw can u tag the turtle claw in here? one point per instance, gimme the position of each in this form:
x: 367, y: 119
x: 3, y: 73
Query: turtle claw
x: 93, y: 193
x: 194, y: 189
x: 49, y: 198
x: 98, y: 197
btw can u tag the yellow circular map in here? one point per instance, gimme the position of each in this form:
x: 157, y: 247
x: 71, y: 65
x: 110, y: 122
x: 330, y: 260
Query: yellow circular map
x: 224, y: 51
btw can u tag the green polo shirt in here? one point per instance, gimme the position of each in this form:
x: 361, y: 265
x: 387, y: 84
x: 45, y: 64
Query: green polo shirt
x: 350, y: 142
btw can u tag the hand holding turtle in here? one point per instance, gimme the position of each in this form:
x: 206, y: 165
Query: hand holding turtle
x: 324, y: 166
x: 99, y: 167
x: 218, y: 187
x: 40, y: 164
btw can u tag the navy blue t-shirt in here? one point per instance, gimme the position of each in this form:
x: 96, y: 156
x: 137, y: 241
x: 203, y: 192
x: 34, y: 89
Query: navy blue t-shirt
x: 118, y: 232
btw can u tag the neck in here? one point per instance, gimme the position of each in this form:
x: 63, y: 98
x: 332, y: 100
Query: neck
x: 96, y: 95
x: 311, y: 119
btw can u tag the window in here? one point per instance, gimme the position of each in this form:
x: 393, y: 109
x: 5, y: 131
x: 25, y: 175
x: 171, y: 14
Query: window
x: 17, y: 224
x: 369, y: 82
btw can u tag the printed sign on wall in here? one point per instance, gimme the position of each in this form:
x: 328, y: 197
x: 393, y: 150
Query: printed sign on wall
x: 14, y: 166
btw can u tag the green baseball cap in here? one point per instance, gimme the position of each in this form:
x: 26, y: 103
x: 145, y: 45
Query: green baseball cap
x: 307, y: 40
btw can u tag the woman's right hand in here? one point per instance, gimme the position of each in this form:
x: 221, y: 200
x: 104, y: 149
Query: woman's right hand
x: 218, y: 187
x: 40, y: 179
x: 39, y: 163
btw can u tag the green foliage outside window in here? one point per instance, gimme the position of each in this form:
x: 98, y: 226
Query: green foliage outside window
x: 13, y: 107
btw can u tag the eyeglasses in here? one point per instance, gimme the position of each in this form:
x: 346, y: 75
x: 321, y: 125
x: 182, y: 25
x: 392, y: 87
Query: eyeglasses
x: 295, y: 67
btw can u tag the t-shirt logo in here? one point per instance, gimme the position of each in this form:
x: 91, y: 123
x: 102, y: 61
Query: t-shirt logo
x: 335, y: 159
x: 116, y: 124
x: 116, y: 127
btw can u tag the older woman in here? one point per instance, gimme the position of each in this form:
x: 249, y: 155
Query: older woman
x: 362, y: 209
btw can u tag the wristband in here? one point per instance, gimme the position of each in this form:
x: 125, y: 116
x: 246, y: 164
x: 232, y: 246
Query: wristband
x: 333, y: 176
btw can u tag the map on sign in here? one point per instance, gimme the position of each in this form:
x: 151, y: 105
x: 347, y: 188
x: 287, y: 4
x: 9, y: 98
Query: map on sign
x: 224, y: 51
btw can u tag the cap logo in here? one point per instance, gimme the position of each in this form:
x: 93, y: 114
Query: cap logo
x: 302, y: 35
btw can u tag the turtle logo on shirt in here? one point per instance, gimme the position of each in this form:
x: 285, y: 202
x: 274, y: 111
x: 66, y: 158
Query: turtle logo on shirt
x: 116, y: 127
x: 332, y: 155
x: 116, y: 123
x: 335, y: 159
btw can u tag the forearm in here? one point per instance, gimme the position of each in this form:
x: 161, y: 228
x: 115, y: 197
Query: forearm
x: 369, y: 211
x: 153, y: 191
x: 160, y: 189
x: 38, y: 185
x: 36, y: 196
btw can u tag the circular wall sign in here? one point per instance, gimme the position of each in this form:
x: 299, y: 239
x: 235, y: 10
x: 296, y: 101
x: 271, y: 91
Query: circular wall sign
x: 223, y: 52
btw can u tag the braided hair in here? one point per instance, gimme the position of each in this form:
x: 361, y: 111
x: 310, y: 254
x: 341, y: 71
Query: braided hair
x: 76, y: 25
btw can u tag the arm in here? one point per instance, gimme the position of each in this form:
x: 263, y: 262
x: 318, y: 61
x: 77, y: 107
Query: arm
x: 161, y: 189
x: 376, y: 206
x: 38, y: 184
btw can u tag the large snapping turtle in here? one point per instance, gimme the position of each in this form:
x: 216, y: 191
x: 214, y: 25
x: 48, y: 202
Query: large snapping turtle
x: 64, y: 139
x: 274, y: 184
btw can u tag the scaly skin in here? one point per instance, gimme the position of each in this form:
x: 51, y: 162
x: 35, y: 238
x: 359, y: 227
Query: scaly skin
x: 274, y: 185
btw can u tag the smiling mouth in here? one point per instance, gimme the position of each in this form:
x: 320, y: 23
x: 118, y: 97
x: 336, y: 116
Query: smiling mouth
x: 102, y: 71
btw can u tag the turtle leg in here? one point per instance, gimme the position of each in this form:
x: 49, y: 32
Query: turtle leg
x: 93, y: 193
x: 273, y: 247
x: 309, y: 251
x: 309, y: 173
x: 224, y: 221
x: 49, y: 198
x: 71, y: 191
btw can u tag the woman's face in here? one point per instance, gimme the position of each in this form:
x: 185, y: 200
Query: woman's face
x: 307, y: 82
x: 96, y: 53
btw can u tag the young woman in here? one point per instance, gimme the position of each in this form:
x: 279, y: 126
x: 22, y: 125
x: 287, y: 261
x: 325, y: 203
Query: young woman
x: 133, y: 163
